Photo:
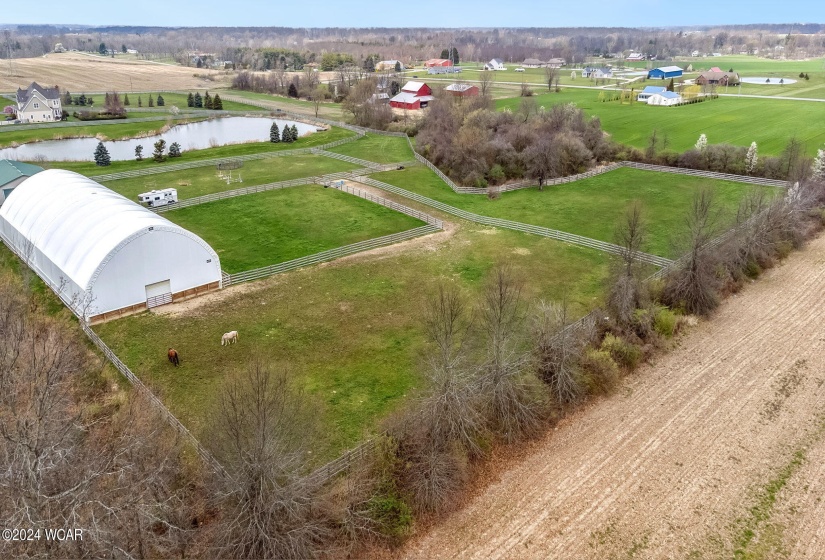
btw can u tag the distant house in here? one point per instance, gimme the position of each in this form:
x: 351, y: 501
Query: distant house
x: 12, y: 173
x: 635, y: 57
x: 495, y: 64
x: 556, y: 63
x: 597, y: 73
x: 715, y: 76
x: 389, y: 66
x: 462, y: 90
x: 533, y: 63
x: 665, y: 72
x: 39, y: 104
x: 645, y: 94
x: 437, y: 62
x: 665, y: 99
x: 414, y: 95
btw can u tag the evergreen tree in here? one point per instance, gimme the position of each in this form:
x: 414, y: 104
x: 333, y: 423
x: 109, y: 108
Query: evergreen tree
x: 101, y: 48
x: 293, y: 91
x: 287, y: 135
x: 274, y: 133
x: 207, y: 101
x: 294, y: 133
x: 198, y: 100
x: 139, y: 152
x: 151, y: 101
x: 107, y: 100
x: 67, y: 98
x: 397, y: 66
x: 217, y: 104
x: 369, y: 64
x: 174, y: 150
x: 445, y: 54
x: 161, y: 102
x: 158, y: 155
x: 140, y: 102
x: 190, y: 101
x: 126, y: 100
x: 102, y: 155
x: 90, y: 101
x: 82, y: 99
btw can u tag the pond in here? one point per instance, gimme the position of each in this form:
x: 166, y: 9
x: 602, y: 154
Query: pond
x: 193, y: 136
x: 768, y: 81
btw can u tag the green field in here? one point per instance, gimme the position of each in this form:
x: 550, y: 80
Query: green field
x: 380, y: 149
x: 275, y: 226
x: 327, y: 110
x: 591, y: 207
x: 350, y: 332
x: 768, y: 122
x: 204, y: 180
x: 232, y: 150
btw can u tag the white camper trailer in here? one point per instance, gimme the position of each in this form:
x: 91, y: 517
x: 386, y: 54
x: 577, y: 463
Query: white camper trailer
x: 154, y: 199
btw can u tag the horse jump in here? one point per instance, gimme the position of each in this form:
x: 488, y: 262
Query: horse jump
x: 173, y: 357
x: 229, y: 338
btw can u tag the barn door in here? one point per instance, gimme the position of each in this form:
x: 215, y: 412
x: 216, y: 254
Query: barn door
x: 159, y: 293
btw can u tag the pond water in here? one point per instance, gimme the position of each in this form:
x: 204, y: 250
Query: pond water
x: 194, y: 136
x: 764, y: 82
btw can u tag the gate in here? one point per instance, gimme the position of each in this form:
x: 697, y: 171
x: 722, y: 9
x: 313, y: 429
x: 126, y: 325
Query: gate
x: 159, y: 293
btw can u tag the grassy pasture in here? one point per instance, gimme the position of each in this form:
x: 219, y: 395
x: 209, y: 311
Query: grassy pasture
x: 591, y: 207
x: 232, y: 150
x: 276, y: 226
x: 326, y: 110
x: 350, y: 332
x: 380, y: 149
x: 739, y: 121
x: 204, y: 180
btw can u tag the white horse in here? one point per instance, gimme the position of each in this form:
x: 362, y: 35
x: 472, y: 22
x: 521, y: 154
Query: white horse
x: 229, y: 338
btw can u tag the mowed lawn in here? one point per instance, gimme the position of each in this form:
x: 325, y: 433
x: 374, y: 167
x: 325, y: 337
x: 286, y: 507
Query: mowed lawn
x: 266, y: 228
x: 233, y: 150
x: 739, y: 121
x: 350, y: 332
x: 591, y: 207
x: 200, y: 181
x: 380, y: 149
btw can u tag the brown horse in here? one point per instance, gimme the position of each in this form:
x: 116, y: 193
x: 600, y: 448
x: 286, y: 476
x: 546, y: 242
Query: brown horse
x: 173, y: 357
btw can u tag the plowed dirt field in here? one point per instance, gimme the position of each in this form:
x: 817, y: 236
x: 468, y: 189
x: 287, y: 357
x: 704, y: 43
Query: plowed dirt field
x: 715, y: 451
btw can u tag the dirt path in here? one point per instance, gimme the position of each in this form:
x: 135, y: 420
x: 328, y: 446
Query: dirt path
x: 686, y: 459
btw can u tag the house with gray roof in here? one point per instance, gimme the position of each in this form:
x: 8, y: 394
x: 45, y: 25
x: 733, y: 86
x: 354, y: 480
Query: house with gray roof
x: 39, y: 104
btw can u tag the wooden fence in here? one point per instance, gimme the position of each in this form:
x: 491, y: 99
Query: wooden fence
x: 517, y: 226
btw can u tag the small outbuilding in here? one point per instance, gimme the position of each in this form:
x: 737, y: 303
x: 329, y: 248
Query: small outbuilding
x: 664, y: 73
x: 462, y: 90
x: 665, y: 99
x: 413, y: 96
x: 103, y: 255
x: 12, y: 173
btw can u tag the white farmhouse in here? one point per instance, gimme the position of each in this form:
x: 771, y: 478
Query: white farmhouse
x: 495, y: 64
x: 39, y: 104
x: 665, y: 99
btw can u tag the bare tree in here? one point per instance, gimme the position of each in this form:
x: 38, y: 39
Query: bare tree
x: 485, y: 82
x: 694, y: 285
x: 514, y: 401
x: 627, y: 288
x: 318, y: 95
x: 557, y: 351
x: 551, y: 74
x: 262, y: 432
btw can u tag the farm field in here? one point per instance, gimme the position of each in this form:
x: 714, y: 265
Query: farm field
x: 265, y: 228
x: 768, y: 122
x: 380, y: 149
x: 326, y: 110
x: 84, y: 72
x: 591, y: 207
x: 204, y: 180
x: 349, y: 331
x: 233, y: 150
x: 713, y: 451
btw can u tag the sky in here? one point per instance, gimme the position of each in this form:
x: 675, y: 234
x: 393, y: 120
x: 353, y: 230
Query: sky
x: 427, y: 13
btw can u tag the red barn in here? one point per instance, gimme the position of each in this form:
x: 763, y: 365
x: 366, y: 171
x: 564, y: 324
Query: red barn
x: 414, y: 95
x: 462, y: 90
x: 438, y: 62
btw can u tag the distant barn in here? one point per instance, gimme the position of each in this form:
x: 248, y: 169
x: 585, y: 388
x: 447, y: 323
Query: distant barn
x: 462, y: 90
x: 104, y: 255
x: 664, y: 73
x: 413, y: 96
